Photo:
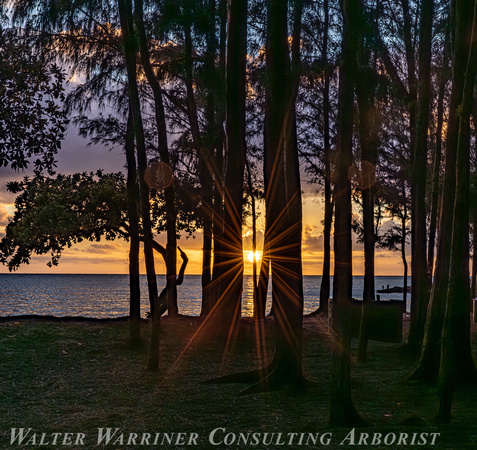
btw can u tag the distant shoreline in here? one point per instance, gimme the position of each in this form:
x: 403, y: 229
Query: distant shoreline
x: 163, y: 274
x: 51, y: 318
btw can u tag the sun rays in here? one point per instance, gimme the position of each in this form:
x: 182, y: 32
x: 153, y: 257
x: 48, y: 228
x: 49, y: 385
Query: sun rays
x: 251, y: 256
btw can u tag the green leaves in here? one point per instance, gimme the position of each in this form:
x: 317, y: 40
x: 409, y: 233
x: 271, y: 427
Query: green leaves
x: 32, y: 118
x: 54, y: 213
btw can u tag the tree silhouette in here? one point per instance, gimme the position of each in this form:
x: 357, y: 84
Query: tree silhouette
x: 128, y: 34
x: 420, y: 294
x: 283, y: 210
x: 456, y: 355
x: 342, y: 409
x: 32, y: 116
x: 431, y: 353
x: 230, y: 281
x: 161, y: 128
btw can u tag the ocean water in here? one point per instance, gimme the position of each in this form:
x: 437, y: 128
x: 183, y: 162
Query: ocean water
x: 107, y: 296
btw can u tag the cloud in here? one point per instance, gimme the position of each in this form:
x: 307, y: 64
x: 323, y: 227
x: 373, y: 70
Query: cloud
x: 105, y: 248
x: 248, y: 239
x: 4, y: 215
x: 312, y: 198
x: 311, y: 240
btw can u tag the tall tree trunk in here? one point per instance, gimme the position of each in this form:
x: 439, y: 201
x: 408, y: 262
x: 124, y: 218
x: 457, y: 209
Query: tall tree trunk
x: 328, y: 220
x: 403, y: 245
x: 456, y: 356
x: 206, y: 164
x: 404, y: 263
x: 430, y: 355
x: 231, y: 284
x: 206, y: 273
x: 420, y: 293
x: 263, y: 277
x: 218, y: 188
x: 134, y: 243
x: 283, y: 198
x: 284, y: 213
x: 443, y: 78
x: 127, y: 31
x: 205, y: 171
x: 474, y: 259
x: 258, y: 312
x: 473, y: 217
x: 342, y: 409
x: 171, y: 245
x: 369, y: 125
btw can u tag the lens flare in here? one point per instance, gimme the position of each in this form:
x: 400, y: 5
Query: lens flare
x: 250, y: 256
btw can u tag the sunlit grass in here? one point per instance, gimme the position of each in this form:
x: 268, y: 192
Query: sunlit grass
x: 59, y: 377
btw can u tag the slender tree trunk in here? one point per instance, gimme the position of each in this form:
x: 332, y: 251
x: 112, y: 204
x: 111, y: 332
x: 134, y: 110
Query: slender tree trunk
x: 420, y: 293
x: 134, y: 243
x: 473, y: 217
x: 369, y: 125
x: 218, y: 222
x: 430, y: 355
x: 127, y: 30
x: 206, y: 275
x: 403, y: 245
x: 258, y: 313
x: 284, y: 213
x: 405, y: 265
x: 229, y: 304
x: 264, y: 275
x: 342, y: 409
x: 171, y: 246
x: 474, y: 260
x: 368, y: 179
x: 416, y: 224
x: 207, y: 167
x: 328, y: 220
x: 456, y: 356
x: 444, y: 76
x: 283, y: 198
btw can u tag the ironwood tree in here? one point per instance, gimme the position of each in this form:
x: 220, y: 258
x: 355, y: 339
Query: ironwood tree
x: 457, y: 363
x: 369, y: 128
x: 420, y: 293
x: 342, y: 409
x: 130, y: 51
x: 283, y: 209
x: 230, y: 280
x: 163, y: 149
x: 431, y: 353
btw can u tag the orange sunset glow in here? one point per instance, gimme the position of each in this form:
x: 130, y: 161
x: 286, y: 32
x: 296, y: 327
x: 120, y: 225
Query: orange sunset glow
x: 109, y: 257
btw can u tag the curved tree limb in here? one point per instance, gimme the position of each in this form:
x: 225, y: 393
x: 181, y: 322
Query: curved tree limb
x: 163, y: 299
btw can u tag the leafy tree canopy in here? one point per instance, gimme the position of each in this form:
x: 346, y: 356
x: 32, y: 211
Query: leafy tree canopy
x: 32, y: 117
x: 55, y: 213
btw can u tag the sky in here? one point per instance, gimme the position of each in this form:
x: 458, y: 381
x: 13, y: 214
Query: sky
x: 112, y: 257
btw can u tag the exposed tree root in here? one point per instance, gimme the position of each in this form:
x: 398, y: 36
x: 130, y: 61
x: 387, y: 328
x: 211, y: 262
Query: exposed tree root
x: 273, y: 377
x: 466, y: 374
x: 252, y: 376
x: 275, y: 380
x: 425, y: 375
x: 348, y: 417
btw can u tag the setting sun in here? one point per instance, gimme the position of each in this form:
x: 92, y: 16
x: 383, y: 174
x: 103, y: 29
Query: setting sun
x: 257, y: 256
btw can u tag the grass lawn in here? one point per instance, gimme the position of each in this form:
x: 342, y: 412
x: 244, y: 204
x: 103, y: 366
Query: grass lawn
x: 77, y: 377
